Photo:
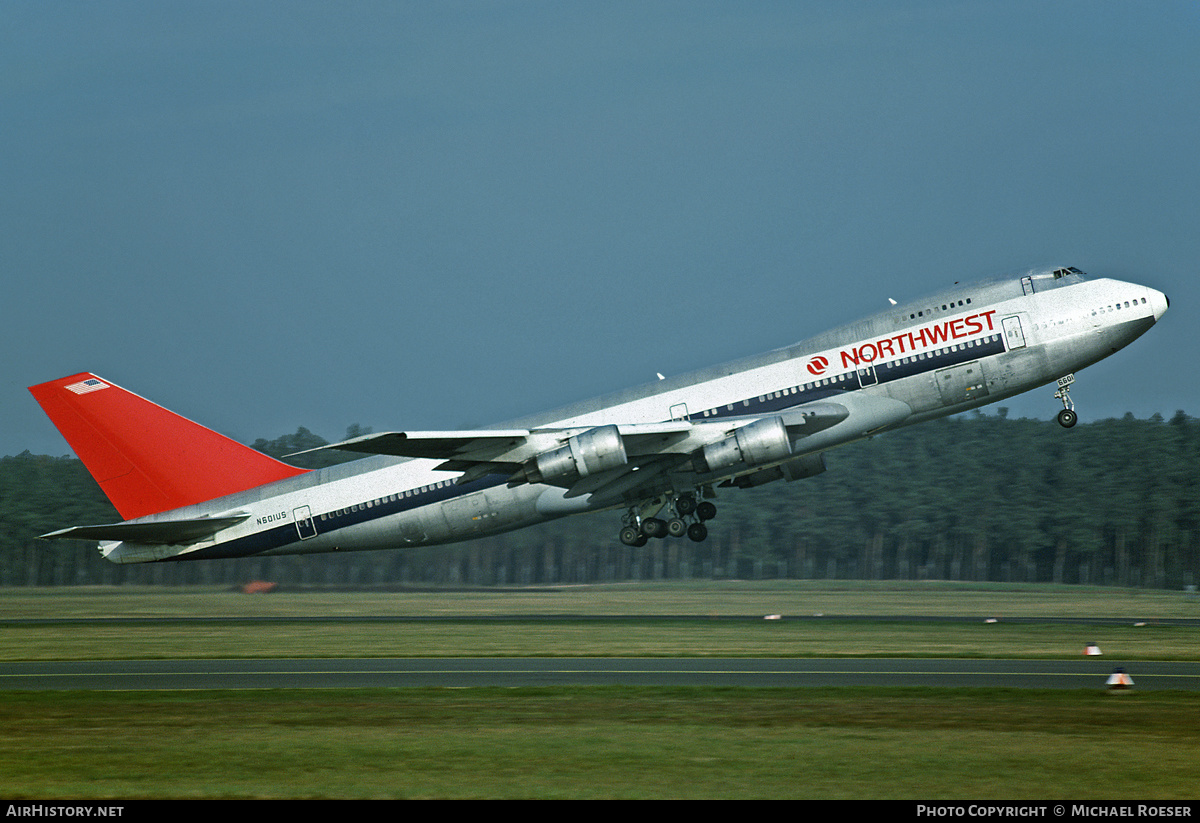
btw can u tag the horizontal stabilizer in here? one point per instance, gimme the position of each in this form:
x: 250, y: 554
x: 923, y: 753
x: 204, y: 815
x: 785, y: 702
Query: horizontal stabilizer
x: 167, y: 532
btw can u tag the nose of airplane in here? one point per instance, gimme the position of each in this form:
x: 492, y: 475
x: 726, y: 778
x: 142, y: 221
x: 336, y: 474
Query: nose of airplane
x: 1159, y: 303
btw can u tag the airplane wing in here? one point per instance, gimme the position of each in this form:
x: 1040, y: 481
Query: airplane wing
x: 510, y: 446
x: 161, y: 532
x: 616, y: 459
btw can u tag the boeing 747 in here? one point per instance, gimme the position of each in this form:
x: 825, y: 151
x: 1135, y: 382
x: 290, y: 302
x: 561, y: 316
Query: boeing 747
x: 658, y: 452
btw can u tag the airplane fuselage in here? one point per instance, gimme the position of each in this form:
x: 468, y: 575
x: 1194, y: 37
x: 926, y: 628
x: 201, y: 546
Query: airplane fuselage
x: 948, y: 353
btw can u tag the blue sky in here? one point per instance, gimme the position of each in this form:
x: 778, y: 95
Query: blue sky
x: 426, y: 215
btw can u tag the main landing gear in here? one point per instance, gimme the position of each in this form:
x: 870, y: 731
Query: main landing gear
x: 1067, y: 417
x: 638, y: 529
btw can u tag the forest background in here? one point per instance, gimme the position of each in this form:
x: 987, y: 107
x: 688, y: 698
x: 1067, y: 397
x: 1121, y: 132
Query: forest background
x: 976, y: 497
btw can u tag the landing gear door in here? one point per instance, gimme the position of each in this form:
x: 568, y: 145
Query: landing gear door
x: 962, y: 384
x: 305, y: 526
x: 1014, y: 335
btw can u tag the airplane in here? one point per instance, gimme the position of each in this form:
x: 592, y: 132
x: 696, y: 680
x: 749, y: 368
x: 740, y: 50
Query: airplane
x: 659, y: 452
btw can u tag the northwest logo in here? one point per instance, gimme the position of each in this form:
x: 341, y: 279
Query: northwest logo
x: 818, y: 365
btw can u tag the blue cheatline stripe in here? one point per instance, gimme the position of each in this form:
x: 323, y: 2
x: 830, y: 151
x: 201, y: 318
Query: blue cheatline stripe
x: 285, y: 534
x: 886, y: 372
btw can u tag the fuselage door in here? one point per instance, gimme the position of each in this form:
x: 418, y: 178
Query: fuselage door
x: 866, y: 375
x: 1027, y: 286
x: 679, y: 411
x: 305, y: 526
x: 1014, y: 336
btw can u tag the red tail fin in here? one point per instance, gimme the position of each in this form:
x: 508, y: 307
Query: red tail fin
x: 145, y: 458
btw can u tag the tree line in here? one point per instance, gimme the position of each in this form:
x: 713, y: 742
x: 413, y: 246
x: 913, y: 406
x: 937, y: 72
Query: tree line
x: 971, y: 498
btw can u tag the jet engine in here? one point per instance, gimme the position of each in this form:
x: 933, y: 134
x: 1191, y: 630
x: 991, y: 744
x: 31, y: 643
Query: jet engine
x: 593, y: 451
x: 797, y: 468
x: 763, y: 441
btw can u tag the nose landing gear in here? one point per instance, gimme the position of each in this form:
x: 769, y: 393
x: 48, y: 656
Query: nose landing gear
x: 1067, y: 417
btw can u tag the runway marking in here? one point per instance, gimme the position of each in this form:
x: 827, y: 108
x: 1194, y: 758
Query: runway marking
x: 277, y: 672
x: 234, y: 674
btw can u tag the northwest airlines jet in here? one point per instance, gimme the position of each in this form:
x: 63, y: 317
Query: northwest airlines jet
x: 658, y: 452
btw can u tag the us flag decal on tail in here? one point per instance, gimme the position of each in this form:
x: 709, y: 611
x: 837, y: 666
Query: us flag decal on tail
x: 86, y: 386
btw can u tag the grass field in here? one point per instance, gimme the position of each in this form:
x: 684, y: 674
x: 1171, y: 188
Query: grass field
x: 568, y: 637
x: 602, y: 742
x: 217, y: 623
x: 606, y: 742
x: 787, y: 597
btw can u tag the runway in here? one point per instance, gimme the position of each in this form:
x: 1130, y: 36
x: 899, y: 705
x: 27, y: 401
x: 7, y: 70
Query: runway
x: 1084, y: 673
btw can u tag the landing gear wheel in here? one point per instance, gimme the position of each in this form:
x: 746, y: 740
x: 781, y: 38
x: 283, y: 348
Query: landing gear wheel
x: 653, y: 527
x: 1067, y: 418
x: 685, y: 505
x: 697, y: 532
x: 630, y: 536
x: 706, y: 511
x: 676, y: 527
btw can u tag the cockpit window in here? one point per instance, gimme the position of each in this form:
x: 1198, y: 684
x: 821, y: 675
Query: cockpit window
x: 1051, y: 279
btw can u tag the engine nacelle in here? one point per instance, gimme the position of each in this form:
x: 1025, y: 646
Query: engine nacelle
x: 763, y: 441
x: 810, y: 465
x: 593, y: 451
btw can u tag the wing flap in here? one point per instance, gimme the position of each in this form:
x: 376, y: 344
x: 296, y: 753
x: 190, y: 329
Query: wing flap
x: 472, y: 446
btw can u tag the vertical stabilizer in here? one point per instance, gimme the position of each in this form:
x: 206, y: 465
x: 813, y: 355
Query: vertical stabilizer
x: 145, y: 458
